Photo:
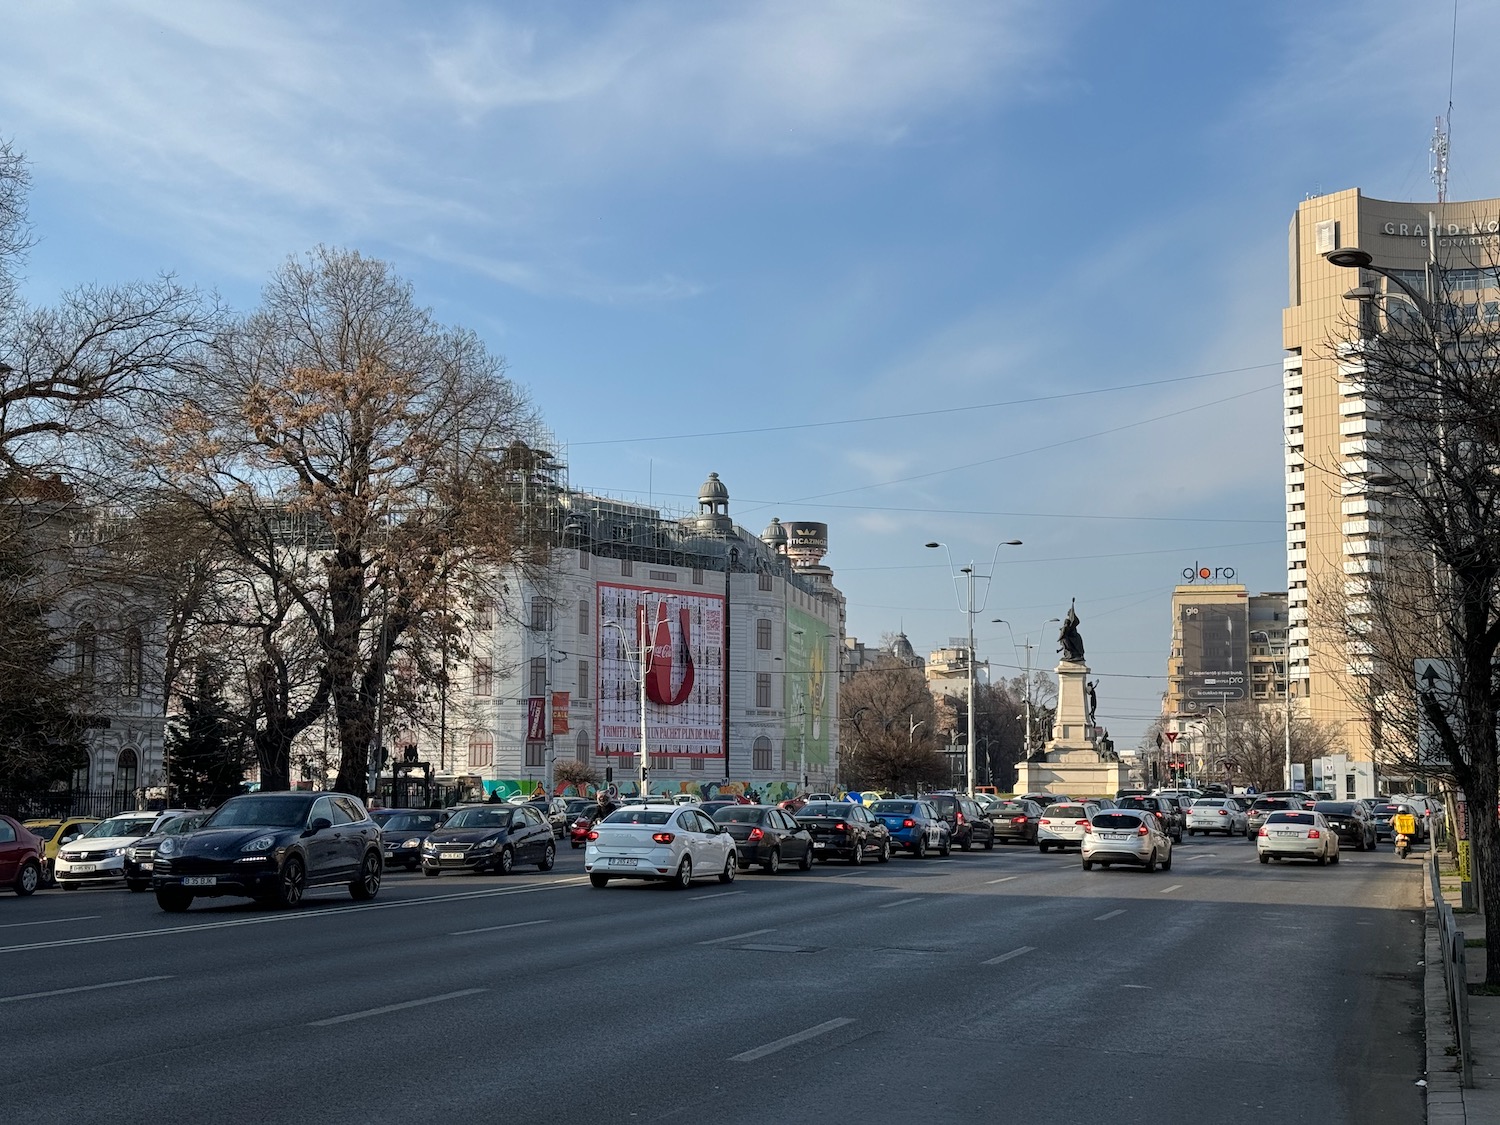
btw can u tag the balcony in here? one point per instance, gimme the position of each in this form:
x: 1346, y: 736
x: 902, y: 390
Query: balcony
x: 1296, y: 480
x: 1361, y: 425
x: 1362, y: 566
x: 1358, y: 447
x: 1363, y: 527
x: 1296, y: 555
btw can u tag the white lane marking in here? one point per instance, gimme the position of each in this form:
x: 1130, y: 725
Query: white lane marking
x: 1007, y: 879
x: 1169, y: 890
x: 737, y: 937
x: 290, y: 917
x: 1203, y: 855
x: 367, y: 1013
x: 720, y: 894
x: 790, y: 1041
x: 1008, y: 956
x: 492, y: 929
x: 898, y: 902
x: 1215, y: 871
x: 53, y: 921
x: 1111, y: 914
x: 1143, y: 987
x: 80, y: 988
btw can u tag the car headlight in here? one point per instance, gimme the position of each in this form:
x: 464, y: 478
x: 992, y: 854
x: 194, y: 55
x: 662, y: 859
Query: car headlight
x: 429, y: 845
x: 412, y: 843
x: 488, y: 842
x: 118, y: 851
x: 166, y: 847
x: 260, y: 844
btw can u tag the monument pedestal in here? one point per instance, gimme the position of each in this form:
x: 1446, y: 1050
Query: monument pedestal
x: 1071, y: 762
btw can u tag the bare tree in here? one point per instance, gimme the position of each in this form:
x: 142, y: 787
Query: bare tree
x: 888, y: 727
x: 1257, y: 738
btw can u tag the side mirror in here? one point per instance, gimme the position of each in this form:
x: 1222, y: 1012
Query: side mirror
x: 319, y: 823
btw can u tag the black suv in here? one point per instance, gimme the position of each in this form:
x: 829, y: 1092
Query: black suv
x: 967, y: 824
x: 1167, y: 810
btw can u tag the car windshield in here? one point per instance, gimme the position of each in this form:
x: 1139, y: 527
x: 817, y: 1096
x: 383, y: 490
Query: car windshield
x: 1390, y: 810
x: 739, y: 814
x: 480, y: 818
x: 43, y: 832
x: 412, y: 822
x: 120, y: 826
x: 822, y: 809
x: 1337, y: 808
x: 902, y: 807
x: 1290, y: 818
x: 1116, y: 820
x: 279, y: 811
x: 638, y: 816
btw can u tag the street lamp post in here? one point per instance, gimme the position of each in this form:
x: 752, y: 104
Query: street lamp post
x: 1286, y: 694
x: 1029, y: 647
x: 642, y: 663
x: 969, y: 609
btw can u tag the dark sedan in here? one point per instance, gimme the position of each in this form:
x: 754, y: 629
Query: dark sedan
x: 1016, y: 820
x: 490, y: 837
x: 842, y: 830
x: 1168, y: 813
x: 271, y: 847
x: 967, y: 826
x: 766, y: 836
x: 403, y: 832
x: 140, y: 857
x: 1349, y: 820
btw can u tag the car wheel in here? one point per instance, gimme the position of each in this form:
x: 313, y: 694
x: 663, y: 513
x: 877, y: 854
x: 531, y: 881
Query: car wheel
x: 1359, y: 845
x: 1151, y: 862
x: 885, y: 850
x: 807, y: 859
x: 598, y: 880
x: 1088, y: 865
x: 173, y: 900
x: 137, y: 885
x: 367, y: 885
x: 945, y: 848
x: 684, y: 876
x: 48, y: 878
x: 1166, y: 864
x: 549, y: 857
x: 291, y: 882
x: 28, y: 879
x: 1334, y: 858
x: 968, y: 842
x: 731, y: 868
x: 919, y: 849
x: 773, y: 862
x: 857, y: 853
x: 1043, y: 848
x: 506, y: 863
x: 1322, y: 861
x: 989, y: 845
x: 1192, y: 832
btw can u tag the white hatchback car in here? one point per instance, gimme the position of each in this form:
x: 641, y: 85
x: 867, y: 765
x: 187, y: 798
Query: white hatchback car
x: 1297, y: 835
x: 1062, y: 826
x: 1215, y: 814
x: 676, y: 843
x: 1133, y: 836
x: 99, y: 855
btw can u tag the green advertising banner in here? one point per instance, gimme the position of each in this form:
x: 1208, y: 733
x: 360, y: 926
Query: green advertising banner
x: 808, y: 690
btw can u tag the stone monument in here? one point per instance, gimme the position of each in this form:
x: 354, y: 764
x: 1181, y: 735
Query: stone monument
x: 1071, y: 762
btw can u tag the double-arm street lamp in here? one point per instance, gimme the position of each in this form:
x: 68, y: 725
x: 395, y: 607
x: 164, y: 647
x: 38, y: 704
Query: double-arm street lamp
x: 1029, y: 646
x: 641, y: 662
x: 967, y: 607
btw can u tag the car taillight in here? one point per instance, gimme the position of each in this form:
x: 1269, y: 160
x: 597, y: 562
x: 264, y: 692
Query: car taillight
x: 840, y: 827
x: 593, y: 834
x: 756, y: 834
x: 1082, y: 822
x: 1018, y: 820
x: 663, y: 837
x: 1223, y: 812
x: 958, y: 818
x: 1044, y: 820
x: 1314, y: 834
x: 908, y: 823
x: 1143, y: 831
x: 1262, y: 831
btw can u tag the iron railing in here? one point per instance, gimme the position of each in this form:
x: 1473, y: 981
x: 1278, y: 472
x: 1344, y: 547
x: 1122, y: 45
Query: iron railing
x: 1455, y: 971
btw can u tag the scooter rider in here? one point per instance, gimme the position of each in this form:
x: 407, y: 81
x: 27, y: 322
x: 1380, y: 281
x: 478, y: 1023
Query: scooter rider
x: 1404, y: 825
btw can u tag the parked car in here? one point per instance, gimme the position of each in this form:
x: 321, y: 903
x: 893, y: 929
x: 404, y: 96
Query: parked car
x: 1349, y: 820
x: 1133, y: 836
x: 843, y: 830
x: 1297, y: 834
x: 403, y: 834
x: 1215, y: 814
x: 140, y: 857
x: 1264, y: 807
x: 20, y: 857
x: 1016, y: 820
x: 673, y: 843
x: 914, y: 825
x: 765, y: 836
x: 1168, y: 811
x: 98, y: 856
x: 493, y: 838
x: 1062, y: 826
x: 272, y: 847
x: 967, y: 825
x: 54, y: 833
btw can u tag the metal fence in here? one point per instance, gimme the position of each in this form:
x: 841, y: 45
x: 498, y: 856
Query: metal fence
x: 1455, y: 971
x: 49, y: 804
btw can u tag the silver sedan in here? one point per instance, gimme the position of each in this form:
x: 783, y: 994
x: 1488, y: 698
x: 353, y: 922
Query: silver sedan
x: 673, y: 843
x: 1215, y: 814
x: 1297, y: 835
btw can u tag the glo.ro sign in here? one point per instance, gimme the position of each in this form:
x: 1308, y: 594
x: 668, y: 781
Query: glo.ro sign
x: 1197, y: 573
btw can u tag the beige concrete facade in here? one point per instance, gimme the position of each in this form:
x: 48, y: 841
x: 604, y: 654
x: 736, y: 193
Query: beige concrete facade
x: 1334, y: 497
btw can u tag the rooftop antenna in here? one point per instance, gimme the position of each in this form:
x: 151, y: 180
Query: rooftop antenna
x: 1442, y: 124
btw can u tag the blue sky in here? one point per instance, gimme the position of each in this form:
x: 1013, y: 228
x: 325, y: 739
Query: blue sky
x: 922, y: 270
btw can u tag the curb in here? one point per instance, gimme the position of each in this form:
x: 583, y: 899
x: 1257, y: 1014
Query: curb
x: 1445, y: 1097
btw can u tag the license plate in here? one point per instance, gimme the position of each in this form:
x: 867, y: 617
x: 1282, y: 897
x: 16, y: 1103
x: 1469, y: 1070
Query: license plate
x: 84, y: 868
x: 819, y: 847
x: 1287, y: 833
x: 622, y: 862
x: 390, y: 855
x: 199, y: 880
x: 451, y: 855
x: 1113, y: 836
x: 147, y: 865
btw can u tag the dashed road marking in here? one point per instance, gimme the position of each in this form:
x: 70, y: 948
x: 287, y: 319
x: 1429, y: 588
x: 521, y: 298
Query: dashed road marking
x: 1111, y: 914
x: 790, y: 1041
x: 737, y: 937
x: 1007, y: 879
x: 1169, y: 890
x: 1008, y: 956
x: 368, y: 1012
x: 898, y: 902
x: 80, y: 988
x: 492, y: 929
x: 53, y: 921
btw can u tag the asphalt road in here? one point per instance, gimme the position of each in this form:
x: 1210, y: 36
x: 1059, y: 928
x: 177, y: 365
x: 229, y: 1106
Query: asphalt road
x: 989, y: 986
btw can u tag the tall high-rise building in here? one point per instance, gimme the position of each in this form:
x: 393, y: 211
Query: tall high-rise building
x: 1335, y: 496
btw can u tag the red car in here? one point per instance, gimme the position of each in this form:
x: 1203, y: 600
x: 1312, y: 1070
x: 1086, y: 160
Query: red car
x: 20, y: 857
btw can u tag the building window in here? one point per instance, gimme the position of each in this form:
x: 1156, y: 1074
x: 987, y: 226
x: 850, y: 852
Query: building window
x: 484, y: 675
x: 625, y: 763
x: 585, y: 613
x: 581, y: 747
x: 763, y: 689
x: 541, y: 615
x: 583, y: 679
x: 627, y: 568
x: 127, y: 768
x: 697, y: 576
x: 81, y: 777
x: 765, y: 581
x: 130, y: 685
x: 481, y: 750
x: 661, y: 762
x: 85, y: 652
x: 536, y: 754
x: 763, y: 634
x: 760, y: 754
x: 696, y: 765
x: 583, y: 559
x: 538, y: 676
x: 484, y: 615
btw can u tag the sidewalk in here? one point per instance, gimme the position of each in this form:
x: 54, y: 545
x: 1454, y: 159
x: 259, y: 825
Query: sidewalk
x: 1446, y: 1101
